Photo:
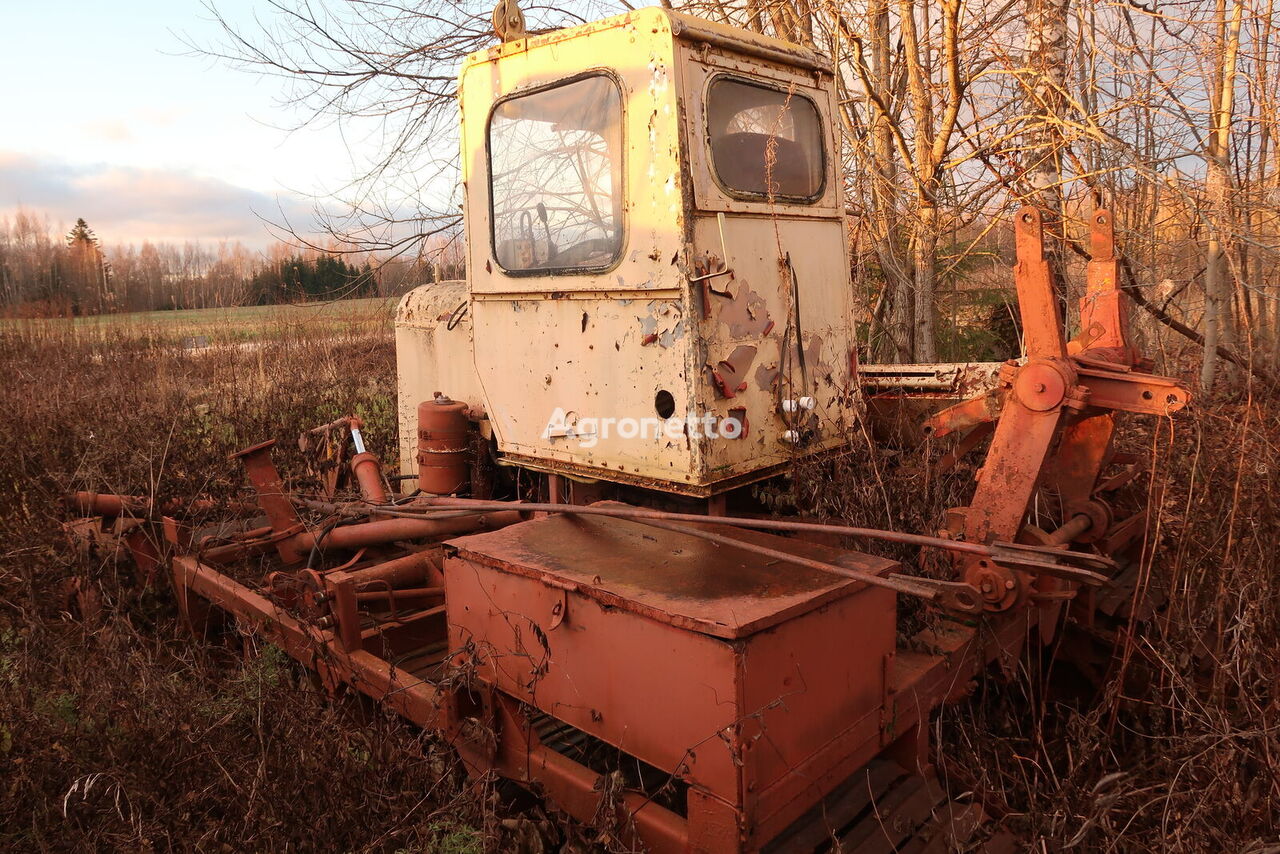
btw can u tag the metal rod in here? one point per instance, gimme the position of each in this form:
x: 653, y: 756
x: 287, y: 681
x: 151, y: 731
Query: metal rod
x: 398, y: 594
x: 1071, y: 529
x: 637, y: 513
x: 931, y: 592
x: 395, y: 511
x: 1035, y: 560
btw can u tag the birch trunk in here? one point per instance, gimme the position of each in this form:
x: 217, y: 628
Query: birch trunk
x: 1217, y: 290
x: 1045, y: 102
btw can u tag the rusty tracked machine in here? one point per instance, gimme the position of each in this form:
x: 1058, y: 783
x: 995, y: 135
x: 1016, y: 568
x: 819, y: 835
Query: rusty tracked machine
x: 657, y: 315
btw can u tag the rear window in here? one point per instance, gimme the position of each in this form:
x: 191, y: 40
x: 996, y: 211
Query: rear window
x: 555, y: 171
x: 765, y: 142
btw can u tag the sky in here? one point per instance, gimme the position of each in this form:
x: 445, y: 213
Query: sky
x: 109, y: 117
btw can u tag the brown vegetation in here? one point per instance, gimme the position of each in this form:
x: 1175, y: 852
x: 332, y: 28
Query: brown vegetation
x: 120, y: 732
x: 117, y: 731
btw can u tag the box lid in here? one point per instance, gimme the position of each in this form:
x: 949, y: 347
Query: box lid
x: 669, y: 576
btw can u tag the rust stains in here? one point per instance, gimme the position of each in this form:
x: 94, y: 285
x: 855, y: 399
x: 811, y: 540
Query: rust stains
x: 745, y: 313
x: 766, y: 376
x: 730, y: 375
x: 813, y: 352
x: 737, y: 416
x: 663, y: 325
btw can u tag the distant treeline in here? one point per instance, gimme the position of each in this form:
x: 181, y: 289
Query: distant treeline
x: 44, y: 273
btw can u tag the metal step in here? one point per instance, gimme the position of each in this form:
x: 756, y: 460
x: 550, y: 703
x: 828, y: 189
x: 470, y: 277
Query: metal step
x: 883, y: 809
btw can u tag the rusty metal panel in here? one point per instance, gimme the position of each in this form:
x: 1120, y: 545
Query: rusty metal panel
x: 594, y: 620
x: 603, y: 670
x: 668, y: 576
x: 812, y: 689
x: 755, y: 309
x: 586, y: 361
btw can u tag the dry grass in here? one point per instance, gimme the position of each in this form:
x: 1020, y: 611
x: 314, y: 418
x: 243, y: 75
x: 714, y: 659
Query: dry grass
x: 1179, y: 750
x: 120, y: 733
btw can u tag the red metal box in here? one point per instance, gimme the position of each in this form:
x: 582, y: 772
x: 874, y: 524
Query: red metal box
x: 756, y: 680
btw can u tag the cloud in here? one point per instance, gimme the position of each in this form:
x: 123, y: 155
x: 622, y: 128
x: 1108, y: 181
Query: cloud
x: 126, y: 204
x: 111, y: 130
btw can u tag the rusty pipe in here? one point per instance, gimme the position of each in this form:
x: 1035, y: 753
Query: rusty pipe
x: 107, y: 504
x: 368, y: 475
x: 348, y: 421
x: 385, y: 531
x: 262, y: 473
x: 110, y: 504
x: 409, y: 569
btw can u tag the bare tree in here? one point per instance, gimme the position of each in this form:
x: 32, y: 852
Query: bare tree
x: 1046, y: 106
x: 1217, y: 309
x: 951, y: 113
x: 386, y: 74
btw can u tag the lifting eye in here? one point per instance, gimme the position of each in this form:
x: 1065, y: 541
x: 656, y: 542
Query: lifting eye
x: 665, y: 404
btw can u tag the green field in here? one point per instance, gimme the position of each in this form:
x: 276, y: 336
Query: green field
x: 210, y: 325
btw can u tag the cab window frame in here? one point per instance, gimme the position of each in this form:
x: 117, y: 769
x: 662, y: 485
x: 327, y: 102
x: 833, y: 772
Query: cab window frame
x: 623, y: 224
x: 776, y: 86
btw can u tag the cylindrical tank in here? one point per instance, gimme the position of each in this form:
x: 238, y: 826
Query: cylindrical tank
x: 444, y: 440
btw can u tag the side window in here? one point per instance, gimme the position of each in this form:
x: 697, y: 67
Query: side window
x: 555, y: 178
x: 765, y: 142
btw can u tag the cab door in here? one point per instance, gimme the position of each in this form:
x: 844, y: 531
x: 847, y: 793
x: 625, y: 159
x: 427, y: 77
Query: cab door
x: 769, y: 252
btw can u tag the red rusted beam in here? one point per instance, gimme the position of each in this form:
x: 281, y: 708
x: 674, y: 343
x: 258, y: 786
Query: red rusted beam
x: 417, y: 700
x: 386, y: 531
x: 571, y: 786
x: 398, y: 572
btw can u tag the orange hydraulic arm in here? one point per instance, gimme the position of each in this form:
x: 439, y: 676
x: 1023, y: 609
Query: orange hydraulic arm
x: 1054, y: 414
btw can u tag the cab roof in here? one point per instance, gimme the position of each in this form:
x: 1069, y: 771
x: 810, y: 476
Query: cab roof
x: 682, y: 26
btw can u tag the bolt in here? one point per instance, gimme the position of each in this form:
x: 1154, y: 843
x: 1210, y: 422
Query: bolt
x: 1039, y: 387
x: 985, y: 586
x: 1008, y: 585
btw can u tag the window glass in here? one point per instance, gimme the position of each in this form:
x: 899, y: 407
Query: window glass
x: 555, y: 166
x: 764, y: 141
